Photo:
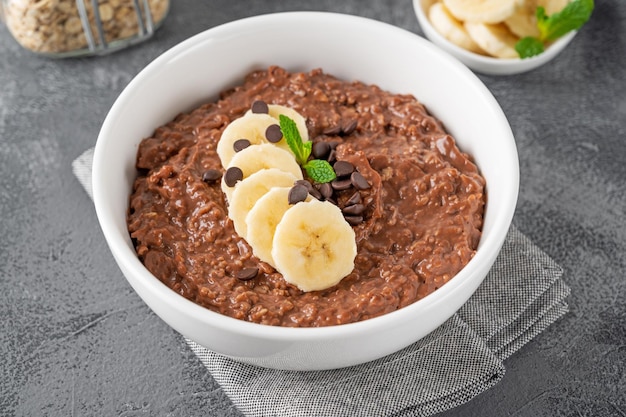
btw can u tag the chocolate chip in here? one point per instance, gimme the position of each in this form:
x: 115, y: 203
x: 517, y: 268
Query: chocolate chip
x: 211, y: 175
x: 273, y: 133
x: 259, y: 106
x: 312, y: 190
x: 354, y: 199
x: 320, y: 150
x: 315, y: 193
x: 343, y: 168
x: 247, y: 274
x: 349, y: 127
x: 359, y: 181
x: 354, y: 209
x: 332, y: 131
x: 326, y: 190
x: 232, y: 176
x: 305, y: 183
x: 354, y: 220
x: 297, y: 194
x: 333, y: 144
x: 341, y: 184
x: 241, y: 144
x: 332, y: 156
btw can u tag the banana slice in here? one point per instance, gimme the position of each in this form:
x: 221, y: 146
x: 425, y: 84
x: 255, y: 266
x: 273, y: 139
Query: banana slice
x: 275, y: 110
x: 524, y: 21
x: 248, y: 191
x: 262, y: 220
x: 496, y: 40
x: 257, y: 157
x: 451, y: 29
x: 553, y: 6
x: 251, y: 126
x: 313, y: 246
x: 483, y: 11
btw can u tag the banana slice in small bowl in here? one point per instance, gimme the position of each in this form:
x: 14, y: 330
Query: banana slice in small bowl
x: 483, y: 34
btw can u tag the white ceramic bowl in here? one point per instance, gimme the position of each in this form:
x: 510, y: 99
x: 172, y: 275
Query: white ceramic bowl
x: 349, y: 47
x: 484, y: 64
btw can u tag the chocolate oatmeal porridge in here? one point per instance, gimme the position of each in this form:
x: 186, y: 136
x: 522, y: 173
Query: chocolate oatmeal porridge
x: 416, y: 205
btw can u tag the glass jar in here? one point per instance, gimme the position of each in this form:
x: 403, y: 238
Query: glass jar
x: 63, y: 28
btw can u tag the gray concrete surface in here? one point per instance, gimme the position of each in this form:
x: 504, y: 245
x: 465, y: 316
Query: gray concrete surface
x: 76, y: 340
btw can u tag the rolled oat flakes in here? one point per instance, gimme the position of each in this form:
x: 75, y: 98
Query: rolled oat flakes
x: 75, y: 27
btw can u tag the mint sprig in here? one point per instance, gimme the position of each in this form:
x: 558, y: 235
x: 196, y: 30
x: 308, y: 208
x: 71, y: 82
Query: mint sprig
x: 294, y: 140
x: 552, y: 27
x: 529, y: 46
x: 318, y: 170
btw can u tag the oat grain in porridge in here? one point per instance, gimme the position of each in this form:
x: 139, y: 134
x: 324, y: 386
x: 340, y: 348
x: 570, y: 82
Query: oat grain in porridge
x: 414, y: 200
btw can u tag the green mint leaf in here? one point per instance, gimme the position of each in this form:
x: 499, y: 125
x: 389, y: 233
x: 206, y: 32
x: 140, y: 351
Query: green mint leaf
x: 293, y: 138
x: 541, y: 15
x: 319, y: 171
x: 572, y: 17
x: 528, y: 47
x: 307, y: 148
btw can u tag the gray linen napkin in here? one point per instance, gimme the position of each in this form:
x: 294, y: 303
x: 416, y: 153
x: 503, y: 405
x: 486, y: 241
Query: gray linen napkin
x: 521, y: 296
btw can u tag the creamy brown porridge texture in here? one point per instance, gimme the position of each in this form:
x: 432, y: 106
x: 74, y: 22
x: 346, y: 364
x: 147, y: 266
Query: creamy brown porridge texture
x: 422, y: 222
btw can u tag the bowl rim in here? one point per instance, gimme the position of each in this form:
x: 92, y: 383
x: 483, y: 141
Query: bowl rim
x: 552, y: 50
x: 128, y: 260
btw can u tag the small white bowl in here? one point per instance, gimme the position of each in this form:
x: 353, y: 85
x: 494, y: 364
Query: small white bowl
x: 484, y: 64
x: 349, y: 47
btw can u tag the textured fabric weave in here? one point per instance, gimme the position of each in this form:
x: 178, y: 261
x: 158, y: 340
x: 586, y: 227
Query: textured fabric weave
x: 521, y: 296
